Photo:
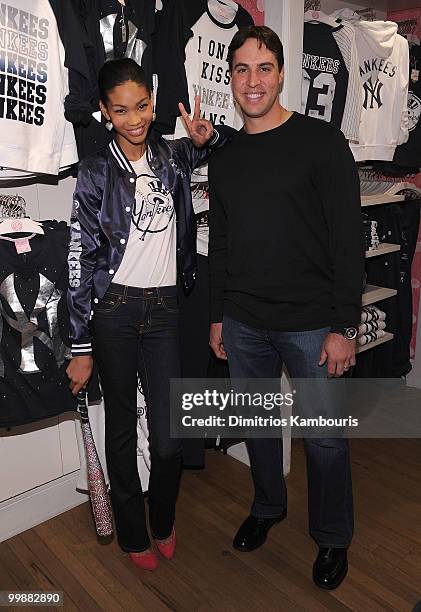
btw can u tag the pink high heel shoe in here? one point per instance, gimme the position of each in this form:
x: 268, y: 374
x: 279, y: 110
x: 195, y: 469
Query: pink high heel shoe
x: 147, y: 560
x: 167, y: 547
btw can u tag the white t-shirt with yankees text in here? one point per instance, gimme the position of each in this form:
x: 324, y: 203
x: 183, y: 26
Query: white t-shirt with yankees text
x: 34, y: 82
x: 208, y: 76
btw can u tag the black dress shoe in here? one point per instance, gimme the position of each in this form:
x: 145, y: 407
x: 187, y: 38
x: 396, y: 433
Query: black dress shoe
x: 330, y: 567
x: 253, y: 532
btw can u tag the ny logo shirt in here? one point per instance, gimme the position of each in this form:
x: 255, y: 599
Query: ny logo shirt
x: 384, y: 118
x: 34, y: 328
x: 150, y: 256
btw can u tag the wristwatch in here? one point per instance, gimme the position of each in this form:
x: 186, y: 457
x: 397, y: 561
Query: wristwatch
x: 349, y: 333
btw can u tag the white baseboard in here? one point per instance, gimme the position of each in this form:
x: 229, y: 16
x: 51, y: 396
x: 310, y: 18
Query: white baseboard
x: 38, y: 505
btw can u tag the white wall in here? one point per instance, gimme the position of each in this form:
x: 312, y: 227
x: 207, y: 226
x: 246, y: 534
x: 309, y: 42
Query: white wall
x: 328, y: 6
x: 403, y: 4
x: 46, y: 199
x: 285, y: 17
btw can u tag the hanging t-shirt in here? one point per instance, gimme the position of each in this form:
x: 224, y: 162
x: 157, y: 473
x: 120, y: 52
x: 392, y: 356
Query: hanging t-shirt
x: 325, y: 76
x: 383, y: 65
x: 206, y: 64
x: 208, y: 76
x: 384, y: 120
x: 409, y: 154
x: 84, y: 54
x: 34, y: 342
x: 345, y: 38
x: 33, y: 86
x: 126, y: 29
x: 150, y: 256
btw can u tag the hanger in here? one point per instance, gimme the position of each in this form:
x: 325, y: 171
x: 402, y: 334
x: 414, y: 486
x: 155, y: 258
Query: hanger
x: 13, y: 217
x: 320, y: 17
x: 224, y: 10
x: 22, y: 225
x: 229, y: 3
x: 367, y: 14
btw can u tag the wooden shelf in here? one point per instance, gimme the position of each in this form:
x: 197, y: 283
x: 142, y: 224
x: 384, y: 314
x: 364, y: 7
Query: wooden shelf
x: 383, y: 249
x: 382, y: 340
x: 378, y: 200
x: 373, y: 294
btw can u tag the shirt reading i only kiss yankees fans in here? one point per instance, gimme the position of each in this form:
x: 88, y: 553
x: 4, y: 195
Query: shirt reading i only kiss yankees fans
x: 33, y: 84
x: 206, y: 61
x: 208, y: 76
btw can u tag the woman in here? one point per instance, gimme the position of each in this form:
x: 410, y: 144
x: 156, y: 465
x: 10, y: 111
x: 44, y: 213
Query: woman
x: 133, y: 233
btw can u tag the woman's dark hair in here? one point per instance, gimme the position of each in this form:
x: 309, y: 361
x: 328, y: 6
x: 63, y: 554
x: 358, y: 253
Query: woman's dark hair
x: 264, y: 36
x: 118, y: 71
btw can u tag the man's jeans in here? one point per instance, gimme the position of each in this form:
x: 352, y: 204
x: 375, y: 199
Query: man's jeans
x: 255, y: 353
x: 136, y: 332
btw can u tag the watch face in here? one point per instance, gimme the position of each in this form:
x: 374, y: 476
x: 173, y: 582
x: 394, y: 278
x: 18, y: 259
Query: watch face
x: 351, y: 333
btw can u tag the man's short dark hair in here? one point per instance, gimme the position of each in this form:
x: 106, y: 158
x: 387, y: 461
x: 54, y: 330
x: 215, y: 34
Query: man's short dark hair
x: 264, y: 36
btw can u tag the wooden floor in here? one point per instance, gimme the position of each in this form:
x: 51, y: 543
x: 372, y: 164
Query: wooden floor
x: 207, y: 574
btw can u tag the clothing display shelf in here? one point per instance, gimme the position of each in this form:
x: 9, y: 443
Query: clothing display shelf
x: 383, y: 249
x: 377, y: 200
x: 372, y: 293
x: 386, y: 338
x: 380, y: 199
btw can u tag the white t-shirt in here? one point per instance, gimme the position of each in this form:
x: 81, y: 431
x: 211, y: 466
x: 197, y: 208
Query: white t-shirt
x: 34, y: 82
x: 208, y: 76
x: 150, y: 256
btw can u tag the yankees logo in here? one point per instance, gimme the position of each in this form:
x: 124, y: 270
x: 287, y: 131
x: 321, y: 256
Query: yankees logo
x: 414, y: 110
x: 373, y: 90
x: 135, y: 46
x: 153, y: 208
x: 28, y: 326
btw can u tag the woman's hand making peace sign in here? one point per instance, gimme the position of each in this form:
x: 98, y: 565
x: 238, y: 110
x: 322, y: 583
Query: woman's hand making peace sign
x: 200, y: 130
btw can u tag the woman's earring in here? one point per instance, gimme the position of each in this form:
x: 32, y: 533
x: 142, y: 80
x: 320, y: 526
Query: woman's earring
x: 153, y: 116
x: 109, y: 126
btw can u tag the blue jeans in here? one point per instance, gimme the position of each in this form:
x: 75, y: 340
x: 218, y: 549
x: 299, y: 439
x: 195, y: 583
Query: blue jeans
x: 256, y: 353
x: 135, y: 333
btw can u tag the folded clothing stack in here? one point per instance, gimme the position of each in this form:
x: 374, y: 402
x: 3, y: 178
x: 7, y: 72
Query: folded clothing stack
x: 370, y: 234
x: 373, y: 325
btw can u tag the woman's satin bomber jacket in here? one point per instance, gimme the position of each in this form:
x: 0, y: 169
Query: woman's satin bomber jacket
x: 101, y: 216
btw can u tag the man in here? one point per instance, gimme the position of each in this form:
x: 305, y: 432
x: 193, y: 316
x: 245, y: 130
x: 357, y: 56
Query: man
x: 286, y: 264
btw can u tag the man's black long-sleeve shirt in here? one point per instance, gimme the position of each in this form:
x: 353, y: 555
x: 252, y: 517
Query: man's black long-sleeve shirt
x: 286, y: 250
